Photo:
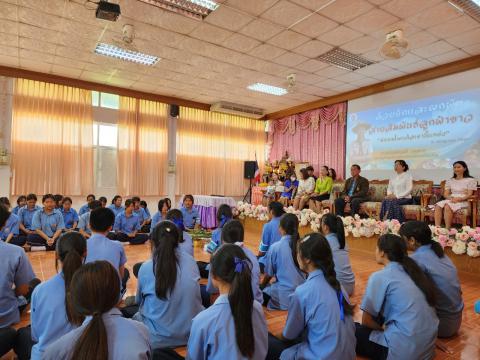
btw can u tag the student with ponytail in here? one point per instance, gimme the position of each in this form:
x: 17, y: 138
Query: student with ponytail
x: 168, y: 292
x: 105, y: 334
x: 429, y: 255
x: 185, y: 243
x: 333, y: 230
x: 319, y: 308
x: 281, y: 263
x: 234, y: 327
x: 224, y: 214
x: 399, y: 320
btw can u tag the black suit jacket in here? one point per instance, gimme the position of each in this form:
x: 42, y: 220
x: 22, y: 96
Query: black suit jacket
x: 361, y: 188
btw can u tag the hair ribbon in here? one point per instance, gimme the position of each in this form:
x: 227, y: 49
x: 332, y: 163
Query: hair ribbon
x: 340, y: 302
x: 179, y: 223
x: 239, y: 264
x: 223, y: 220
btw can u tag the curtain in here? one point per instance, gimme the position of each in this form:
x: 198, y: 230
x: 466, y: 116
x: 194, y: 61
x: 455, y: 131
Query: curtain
x: 52, y: 131
x: 316, y: 136
x: 211, y: 150
x: 142, y: 147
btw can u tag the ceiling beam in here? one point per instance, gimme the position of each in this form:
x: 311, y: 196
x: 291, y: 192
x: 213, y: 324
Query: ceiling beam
x: 410, y: 79
x: 89, y: 85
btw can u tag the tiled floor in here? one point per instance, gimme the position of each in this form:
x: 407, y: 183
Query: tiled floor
x: 464, y: 346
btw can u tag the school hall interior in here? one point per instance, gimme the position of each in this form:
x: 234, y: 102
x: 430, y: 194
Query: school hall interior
x: 240, y: 179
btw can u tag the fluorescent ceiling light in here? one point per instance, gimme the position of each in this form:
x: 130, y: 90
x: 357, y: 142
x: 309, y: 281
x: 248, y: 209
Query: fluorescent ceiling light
x: 267, y: 89
x: 124, y: 54
x: 196, y: 9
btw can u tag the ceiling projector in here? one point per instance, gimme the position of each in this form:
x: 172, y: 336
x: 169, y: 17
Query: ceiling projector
x: 107, y: 11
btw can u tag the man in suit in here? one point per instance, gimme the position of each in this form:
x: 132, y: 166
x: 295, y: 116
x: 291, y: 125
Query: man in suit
x: 355, y: 192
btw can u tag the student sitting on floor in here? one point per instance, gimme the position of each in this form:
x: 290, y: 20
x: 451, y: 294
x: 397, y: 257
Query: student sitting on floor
x: 270, y: 233
x: 47, y: 223
x: 127, y: 226
x: 58, y: 201
x: 191, y: 217
x: 224, y: 214
x: 102, y: 248
x: 160, y: 215
x: 84, y: 209
x: 25, y: 215
x: 399, y: 319
x: 103, y: 201
x: 84, y: 221
x: 234, y: 327
x: 185, y: 242
x: 168, y: 293
x: 11, y: 231
x: 52, y: 315
x: 21, y: 202
x: 16, y: 279
x: 333, y: 230
x: 439, y: 268
x: 116, y: 205
x: 281, y: 262
x: 142, y: 215
x: 70, y: 216
x: 144, y: 206
x: 318, y: 308
x: 106, y: 334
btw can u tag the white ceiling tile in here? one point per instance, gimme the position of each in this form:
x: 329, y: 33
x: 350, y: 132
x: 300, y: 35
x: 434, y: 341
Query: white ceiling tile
x: 454, y: 27
x: 9, y: 12
x: 261, y: 30
x: 449, y: 57
x: 407, y: 59
x: 39, y: 19
x: 312, y: 65
x: 331, y: 71
x: 473, y: 49
x: 436, y: 48
x: 211, y: 33
x: 331, y: 83
x: 9, y: 27
x: 285, y: 13
x: 36, y: 45
x: 314, y: 5
x: 378, y: 2
x: 343, y: 11
x: 314, y: 25
x: 36, y: 55
x: 253, y: 7
x: 421, y: 39
x: 241, y: 43
x: 407, y: 28
x: 313, y: 48
x: 311, y: 79
x: 407, y: 8
x: 177, y: 23
x: 290, y: 59
x: 340, y: 35
x: 437, y: 14
x: 391, y: 74
x: 345, y: 87
x: 142, y: 86
x: 35, y: 65
x: 373, y: 69
x: 420, y: 65
x: 66, y: 71
x: 228, y: 18
x: 66, y: 62
x: 34, y: 32
x: 350, y: 77
x: 6, y: 60
x: 267, y: 51
x: 288, y: 40
x: 372, y: 21
x: 54, y: 7
x: 466, y: 39
x: 76, y: 54
x: 364, y: 82
x: 9, y: 40
x: 362, y: 45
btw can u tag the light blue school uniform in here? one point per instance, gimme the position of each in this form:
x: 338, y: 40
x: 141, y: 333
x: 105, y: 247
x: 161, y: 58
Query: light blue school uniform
x: 126, y: 224
x: 127, y: 339
x: 157, y: 217
x: 168, y: 321
x: 270, y: 235
x: 100, y: 247
x: 255, y: 270
x: 69, y: 217
x: 410, y: 323
x: 84, y: 223
x: 147, y: 212
x: 83, y: 209
x: 314, y: 311
x: 142, y: 214
x: 279, y: 263
x: 48, y: 315
x: 215, y: 241
x: 48, y: 223
x: 187, y: 244
x: 16, y: 209
x: 26, y: 216
x: 190, y: 217
x: 449, y: 305
x: 213, y: 333
x: 116, y: 210
x: 341, y: 260
x: 15, y: 269
x: 11, y: 227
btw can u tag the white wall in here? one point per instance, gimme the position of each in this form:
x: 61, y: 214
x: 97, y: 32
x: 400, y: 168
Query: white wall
x: 6, y: 91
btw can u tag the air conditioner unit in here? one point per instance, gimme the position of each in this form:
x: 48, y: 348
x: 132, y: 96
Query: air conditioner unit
x: 237, y: 109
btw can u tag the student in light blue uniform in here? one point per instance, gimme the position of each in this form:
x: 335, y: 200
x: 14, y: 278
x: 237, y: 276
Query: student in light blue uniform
x: 233, y: 233
x: 168, y: 293
x: 281, y: 263
x: 234, y: 327
x: 11, y: 231
x: 186, y: 242
x: 191, y: 217
x: 127, y: 226
x: 84, y: 220
x: 26, y: 213
x: 142, y: 215
x: 70, y: 216
x: 270, y: 233
x: 224, y: 214
x: 15, y: 269
x: 47, y: 223
x: 160, y: 215
x: 105, y: 333
x: 333, y: 230
x: 21, y: 202
x: 319, y: 312
x: 439, y: 268
x: 116, y: 205
x: 399, y: 319
x: 84, y: 209
x: 51, y: 310
x: 144, y: 206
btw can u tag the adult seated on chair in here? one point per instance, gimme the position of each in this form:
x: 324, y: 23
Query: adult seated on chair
x: 48, y: 224
x: 354, y: 193
x: 306, y: 185
x: 291, y: 185
x: 127, y: 226
x: 323, y: 188
x: 84, y: 220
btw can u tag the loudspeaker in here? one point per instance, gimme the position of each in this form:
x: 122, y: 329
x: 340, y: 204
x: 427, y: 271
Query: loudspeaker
x: 249, y: 169
x: 173, y: 110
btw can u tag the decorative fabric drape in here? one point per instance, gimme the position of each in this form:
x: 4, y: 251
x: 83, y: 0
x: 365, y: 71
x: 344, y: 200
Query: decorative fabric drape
x: 211, y: 150
x: 316, y: 136
x: 52, y: 136
x: 142, y: 147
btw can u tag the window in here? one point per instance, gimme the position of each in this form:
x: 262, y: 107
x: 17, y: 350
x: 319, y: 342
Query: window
x: 105, y: 135
x: 105, y: 157
x: 105, y: 100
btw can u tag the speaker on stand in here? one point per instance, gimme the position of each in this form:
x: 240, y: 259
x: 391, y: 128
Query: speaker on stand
x: 249, y: 168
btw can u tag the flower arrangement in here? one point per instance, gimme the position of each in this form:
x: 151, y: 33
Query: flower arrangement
x: 465, y: 240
